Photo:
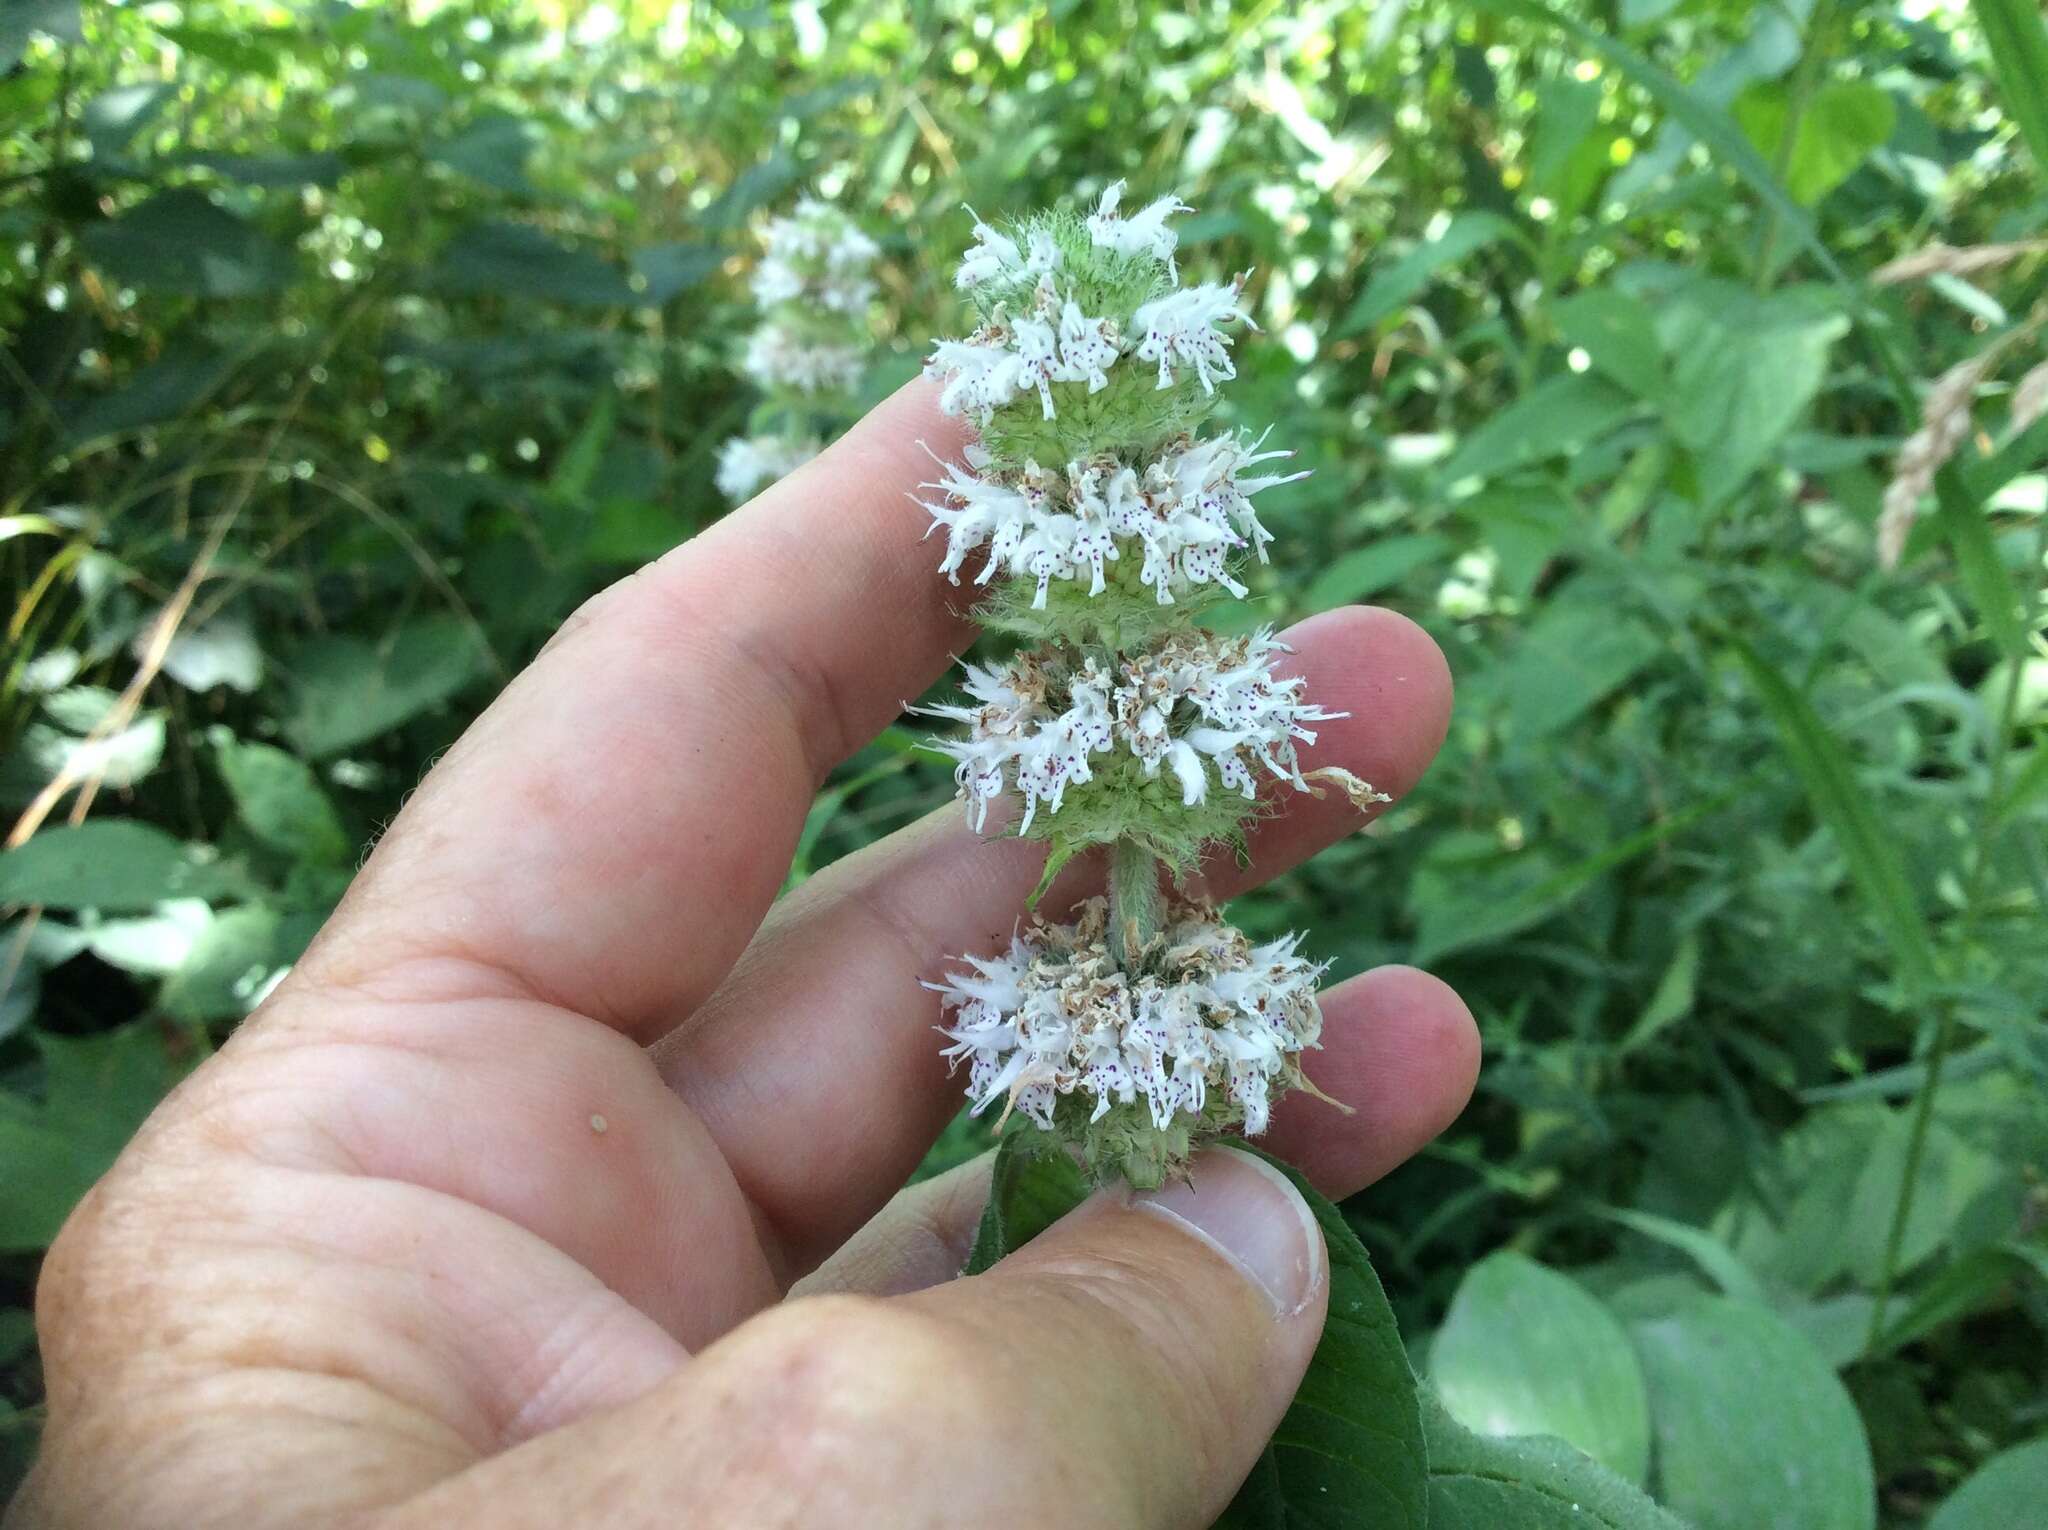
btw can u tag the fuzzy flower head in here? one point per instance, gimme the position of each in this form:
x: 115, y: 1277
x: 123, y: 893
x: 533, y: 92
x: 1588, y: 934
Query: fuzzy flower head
x: 802, y: 359
x: 1167, y: 744
x: 1133, y: 1067
x: 816, y: 257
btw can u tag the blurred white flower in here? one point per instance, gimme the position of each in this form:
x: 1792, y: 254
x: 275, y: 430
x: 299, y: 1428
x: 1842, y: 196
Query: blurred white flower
x: 1215, y: 1016
x: 779, y: 357
x: 748, y: 463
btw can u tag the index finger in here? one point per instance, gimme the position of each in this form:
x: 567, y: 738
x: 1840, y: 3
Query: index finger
x: 610, y: 831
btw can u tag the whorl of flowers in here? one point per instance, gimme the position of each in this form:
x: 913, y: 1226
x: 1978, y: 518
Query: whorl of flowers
x: 814, y: 286
x: 1095, y: 517
x: 1200, y: 1041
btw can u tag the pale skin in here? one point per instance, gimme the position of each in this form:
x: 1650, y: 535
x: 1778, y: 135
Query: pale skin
x: 554, y: 1186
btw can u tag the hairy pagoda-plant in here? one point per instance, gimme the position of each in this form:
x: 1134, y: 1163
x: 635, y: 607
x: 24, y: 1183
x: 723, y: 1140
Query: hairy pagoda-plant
x: 1099, y: 520
x: 809, y: 351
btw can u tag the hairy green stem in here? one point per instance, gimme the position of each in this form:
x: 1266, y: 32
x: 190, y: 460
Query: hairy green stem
x: 1137, y: 904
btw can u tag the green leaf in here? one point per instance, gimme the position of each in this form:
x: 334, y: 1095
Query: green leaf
x: 280, y: 800
x: 1367, y: 570
x: 1395, y: 286
x: 1031, y: 1187
x: 1753, y: 1430
x: 229, y: 964
x: 1558, y: 415
x: 115, y: 865
x: 492, y: 150
x: 112, y: 118
x: 1744, y: 371
x: 22, y: 19
x: 1839, y: 125
x: 516, y: 260
x: 244, y: 53
x: 1702, y: 1247
x: 1671, y: 1002
x: 1619, y: 337
x: 665, y: 270
x: 1532, y: 1483
x: 2006, y: 1492
x: 2017, y: 38
x: 1950, y: 1175
x: 1570, y: 658
x: 1526, y: 1350
x: 163, y: 390
x: 178, y: 241
x: 96, y: 1091
x: 1840, y: 803
x: 1349, y: 1450
x: 347, y: 691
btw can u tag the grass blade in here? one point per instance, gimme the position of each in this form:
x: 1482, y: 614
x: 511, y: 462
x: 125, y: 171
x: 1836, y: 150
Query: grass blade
x: 1874, y: 861
x: 2018, y: 40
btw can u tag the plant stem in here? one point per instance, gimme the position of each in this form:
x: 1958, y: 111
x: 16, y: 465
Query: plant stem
x: 1945, y: 1023
x: 1798, y: 97
x: 1137, y: 905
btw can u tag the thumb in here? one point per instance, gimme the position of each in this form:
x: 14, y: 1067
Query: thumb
x: 1148, y: 1344
x: 1122, y: 1370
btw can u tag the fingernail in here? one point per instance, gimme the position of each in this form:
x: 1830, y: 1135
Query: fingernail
x: 1251, y: 1214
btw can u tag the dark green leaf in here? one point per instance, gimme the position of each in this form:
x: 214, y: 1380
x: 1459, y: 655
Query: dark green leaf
x: 1372, y: 568
x: 1838, y: 126
x: 347, y: 691
x: 1619, y: 337
x: 665, y: 270
x: 1556, y: 416
x: 1395, y: 286
x: 178, y: 241
x: 493, y: 150
x: 2017, y: 38
x: 516, y: 260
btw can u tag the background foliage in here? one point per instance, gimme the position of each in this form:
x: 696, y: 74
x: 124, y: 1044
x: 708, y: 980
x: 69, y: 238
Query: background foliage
x: 368, y: 339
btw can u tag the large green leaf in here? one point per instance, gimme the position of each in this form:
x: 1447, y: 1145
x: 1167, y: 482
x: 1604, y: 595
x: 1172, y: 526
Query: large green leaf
x: 1752, y: 1429
x: 1836, y: 129
x: 1381, y: 563
x: 516, y: 260
x: 1525, y: 1350
x: 115, y: 865
x: 96, y: 1090
x: 347, y: 690
x: 2008, y: 1492
x: 1619, y: 336
x: 1477, y: 1482
x: 178, y: 241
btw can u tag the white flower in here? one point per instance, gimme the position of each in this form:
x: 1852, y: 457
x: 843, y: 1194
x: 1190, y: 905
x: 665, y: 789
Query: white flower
x: 979, y: 377
x: 1180, y: 330
x: 1144, y: 232
x: 778, y: 357
x: 1054, y: 1016
x: 996, y: 257
x: 818, y: 256
x: 1053, y: 342
x: 1187, y: 513
x: 1192, y: 703
x: 745, y: 463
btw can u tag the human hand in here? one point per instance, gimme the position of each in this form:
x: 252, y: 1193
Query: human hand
x: 553, y: 1185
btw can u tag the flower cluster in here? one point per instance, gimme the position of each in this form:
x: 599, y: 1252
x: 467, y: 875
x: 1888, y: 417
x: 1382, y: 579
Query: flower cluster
x: 814, y: 286
x: 1063, y: 1034
x: 1098, y: 517
x: 1190, y: 702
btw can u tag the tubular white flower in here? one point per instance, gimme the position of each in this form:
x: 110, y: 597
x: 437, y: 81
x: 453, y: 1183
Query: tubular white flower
x: 1180, y: 330
x: 1144, y: 232
x: 1216, y: 1017
x: 745, y: 463
x: 817, y: 256
x: 1188, y: 511
x: 778, y: 357
x: 1053, y: 342
x: 1191, y: 702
